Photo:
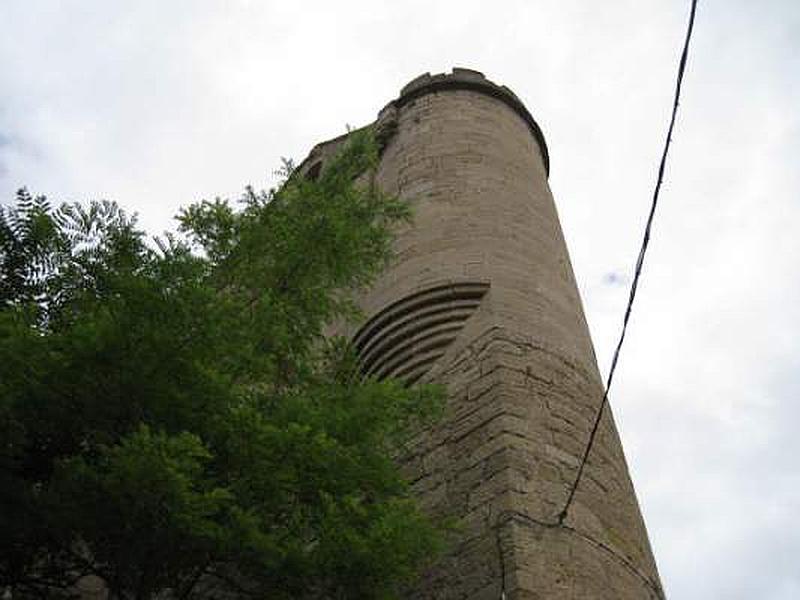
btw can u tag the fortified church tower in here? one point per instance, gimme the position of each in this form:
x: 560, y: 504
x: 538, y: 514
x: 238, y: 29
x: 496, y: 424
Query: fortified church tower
x: 482, y: 298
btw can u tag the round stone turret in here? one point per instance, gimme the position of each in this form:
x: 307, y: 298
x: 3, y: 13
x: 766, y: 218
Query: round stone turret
x: 468, y: 79
x: 481, y: 298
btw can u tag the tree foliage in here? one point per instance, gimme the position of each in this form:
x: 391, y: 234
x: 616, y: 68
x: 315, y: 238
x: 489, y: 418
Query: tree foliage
x: 173, y: 419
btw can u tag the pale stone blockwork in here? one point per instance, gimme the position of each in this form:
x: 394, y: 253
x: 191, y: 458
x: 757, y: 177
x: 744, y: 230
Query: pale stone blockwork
x: 520, y: 368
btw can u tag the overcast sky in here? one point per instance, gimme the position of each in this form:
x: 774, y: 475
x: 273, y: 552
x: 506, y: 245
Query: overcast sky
x: 157, y: 104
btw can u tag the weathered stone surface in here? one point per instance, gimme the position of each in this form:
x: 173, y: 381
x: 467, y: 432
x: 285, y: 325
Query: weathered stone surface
x: 523, y: 381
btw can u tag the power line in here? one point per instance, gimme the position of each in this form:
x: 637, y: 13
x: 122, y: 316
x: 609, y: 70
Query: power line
x: 639, y: 263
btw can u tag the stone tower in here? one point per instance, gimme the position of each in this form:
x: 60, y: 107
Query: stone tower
x: 482, y: 298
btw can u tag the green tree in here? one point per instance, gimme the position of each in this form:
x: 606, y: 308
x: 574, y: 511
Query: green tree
x: 173, y: 419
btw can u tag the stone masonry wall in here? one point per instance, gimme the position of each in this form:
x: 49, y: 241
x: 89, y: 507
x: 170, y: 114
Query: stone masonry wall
x: 521, y: 374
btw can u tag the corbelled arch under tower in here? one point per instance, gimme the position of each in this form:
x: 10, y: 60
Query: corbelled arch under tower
x: 482, y: 298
